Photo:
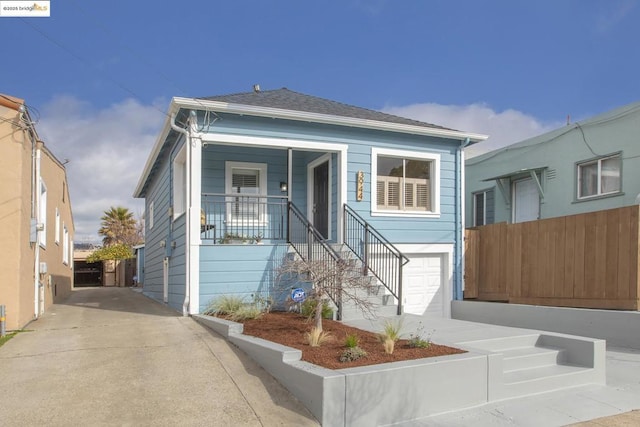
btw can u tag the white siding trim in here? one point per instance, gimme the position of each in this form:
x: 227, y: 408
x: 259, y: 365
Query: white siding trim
x: 375, y: 152
x: 179, y: 182
x: 228, y: 139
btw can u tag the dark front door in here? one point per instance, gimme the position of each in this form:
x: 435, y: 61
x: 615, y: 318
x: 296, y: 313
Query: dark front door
x: 321, y: 199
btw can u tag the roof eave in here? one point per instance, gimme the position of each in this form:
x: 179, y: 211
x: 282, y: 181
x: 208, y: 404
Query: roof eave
x: 326, y: 119
x: 202, y: 104
x: 155, y: 151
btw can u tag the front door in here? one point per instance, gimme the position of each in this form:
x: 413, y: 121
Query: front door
x: 321, y: 198
x: 526, y: 201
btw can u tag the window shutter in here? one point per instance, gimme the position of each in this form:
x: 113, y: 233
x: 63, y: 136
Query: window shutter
x: 393, y: 193
x: 423, y: 197
x: 245, y: 181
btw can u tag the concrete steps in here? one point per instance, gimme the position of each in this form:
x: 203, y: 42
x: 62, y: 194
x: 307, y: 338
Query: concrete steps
x: 525, y: 364
x: 369, y: 290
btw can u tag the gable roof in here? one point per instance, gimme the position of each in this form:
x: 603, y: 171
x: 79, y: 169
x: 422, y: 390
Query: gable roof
x: 294, y: 101
x: 554, y: 134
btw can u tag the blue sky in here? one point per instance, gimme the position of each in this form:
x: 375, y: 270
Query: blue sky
x: 101, y: 73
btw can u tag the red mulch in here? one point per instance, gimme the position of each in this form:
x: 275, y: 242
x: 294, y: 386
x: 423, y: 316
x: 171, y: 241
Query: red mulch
x: 289, y: 329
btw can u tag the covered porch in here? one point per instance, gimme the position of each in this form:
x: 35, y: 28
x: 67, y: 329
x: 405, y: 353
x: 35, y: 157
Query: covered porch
x: 248, y: 183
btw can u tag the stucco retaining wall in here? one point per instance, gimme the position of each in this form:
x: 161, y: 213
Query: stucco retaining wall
x: 618, y: 328
x: 368, y: 395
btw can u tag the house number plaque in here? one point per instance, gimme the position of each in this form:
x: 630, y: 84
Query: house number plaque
x: 360, y: 186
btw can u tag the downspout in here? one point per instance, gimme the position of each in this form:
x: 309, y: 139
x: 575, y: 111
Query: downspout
x: 460, y: 188
x: 187, y: 135
x: 36, y: 279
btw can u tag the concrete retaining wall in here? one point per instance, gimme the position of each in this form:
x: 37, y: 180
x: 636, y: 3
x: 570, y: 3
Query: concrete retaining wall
x: 368, y: 395
x: 618, y: 328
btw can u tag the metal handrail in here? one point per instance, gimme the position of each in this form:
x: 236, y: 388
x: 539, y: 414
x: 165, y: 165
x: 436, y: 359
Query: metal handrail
x: 233, y: 217
x: 378, y: 255
x: 309, y: 244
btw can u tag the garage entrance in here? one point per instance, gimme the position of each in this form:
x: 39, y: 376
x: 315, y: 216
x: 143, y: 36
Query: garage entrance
x: 424, y: 290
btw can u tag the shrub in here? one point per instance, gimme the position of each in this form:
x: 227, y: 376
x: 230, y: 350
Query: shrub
x: 389, y: 345
x: 351, y: 341
x: 308, y: 309
x: 391, y: 333
x: 317, y: 337
x: 225, y: 305
x: 417, y: 340
x: 246, y: 312
x: 352, y: 353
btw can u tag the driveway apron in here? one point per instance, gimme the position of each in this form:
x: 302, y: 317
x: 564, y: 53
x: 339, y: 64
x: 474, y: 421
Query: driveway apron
x: 111, y: 356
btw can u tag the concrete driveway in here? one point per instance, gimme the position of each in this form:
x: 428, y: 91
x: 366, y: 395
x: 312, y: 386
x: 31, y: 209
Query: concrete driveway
x: 110, y: 356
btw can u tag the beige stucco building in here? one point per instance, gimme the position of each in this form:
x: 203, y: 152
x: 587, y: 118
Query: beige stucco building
x: 36, y: 222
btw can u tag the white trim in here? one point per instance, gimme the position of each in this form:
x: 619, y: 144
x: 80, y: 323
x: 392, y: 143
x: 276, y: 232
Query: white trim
x: 310, y: 187
x: 341, y: 191
x: 251, y: 110
x: 255, y: 141
x: 446, y: 251
x: 598, y: 161
x: 195, y: 201
x: 65, y: 244
x: 204, y: 105
x: 56, y: 237
x: 405, y: 154
x: 179, y: 181
x: 475, y: 208
x: 42, y: 213
x: 150, y: 214
x: 263, y: 183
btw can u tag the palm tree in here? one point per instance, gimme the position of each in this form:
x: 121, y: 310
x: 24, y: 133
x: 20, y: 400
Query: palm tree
x: 119, y: 227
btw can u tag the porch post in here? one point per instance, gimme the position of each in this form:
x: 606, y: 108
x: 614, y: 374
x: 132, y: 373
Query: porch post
x: 289, y: 173
x: 195, y: 199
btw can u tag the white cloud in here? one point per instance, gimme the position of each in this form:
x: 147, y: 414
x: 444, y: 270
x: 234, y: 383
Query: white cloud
x: 613, y: 14
x: 504, y: 128
x: 106, y: 148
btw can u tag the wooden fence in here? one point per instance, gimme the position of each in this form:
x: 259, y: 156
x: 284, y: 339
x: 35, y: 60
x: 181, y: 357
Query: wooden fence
x: 587, y: 260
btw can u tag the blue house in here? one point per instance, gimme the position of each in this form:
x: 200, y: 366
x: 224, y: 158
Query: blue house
x: 236, y: 182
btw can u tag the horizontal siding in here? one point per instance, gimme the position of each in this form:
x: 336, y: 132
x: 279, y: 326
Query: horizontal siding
x: 400, y: 229
x: 241, y: 270
x: 167, y: 229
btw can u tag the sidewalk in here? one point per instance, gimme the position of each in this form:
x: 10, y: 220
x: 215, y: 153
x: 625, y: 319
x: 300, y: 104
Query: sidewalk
x: 110, y: 356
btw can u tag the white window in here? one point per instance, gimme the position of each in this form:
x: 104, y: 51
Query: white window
x: 70, y: 253
x: 150, y: 215
x: 599, y: 177
x: 248, y: 180
x: 483, y: 208
x: 57, y: 233
x: 179, y: 182
x: 65, y: 245
x: 42, y: 213
x: 405, y: 183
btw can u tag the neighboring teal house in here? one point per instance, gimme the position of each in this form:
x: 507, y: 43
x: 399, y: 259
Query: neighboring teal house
x: 585, y: 166
x: 236, y: 182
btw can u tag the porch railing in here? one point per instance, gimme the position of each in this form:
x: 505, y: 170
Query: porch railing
x: 240, y: 218
x: 377, y: 254
x: 311, y: 246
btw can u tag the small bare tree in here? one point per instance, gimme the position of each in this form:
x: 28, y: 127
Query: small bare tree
x: 337, y: 280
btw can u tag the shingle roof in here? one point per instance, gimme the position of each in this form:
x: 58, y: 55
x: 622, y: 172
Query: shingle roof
x: 289, y: 100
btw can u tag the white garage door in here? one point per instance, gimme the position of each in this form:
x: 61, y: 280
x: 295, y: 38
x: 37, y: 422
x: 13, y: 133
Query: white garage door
x: 423, y: 285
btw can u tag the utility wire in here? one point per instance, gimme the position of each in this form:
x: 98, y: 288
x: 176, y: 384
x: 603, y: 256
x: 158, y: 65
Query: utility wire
x: 124, y: 46
x: 86, y: 62
x: 208, y: 121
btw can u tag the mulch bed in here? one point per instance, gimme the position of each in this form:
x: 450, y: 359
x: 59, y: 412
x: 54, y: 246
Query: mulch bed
x: 289, y: 329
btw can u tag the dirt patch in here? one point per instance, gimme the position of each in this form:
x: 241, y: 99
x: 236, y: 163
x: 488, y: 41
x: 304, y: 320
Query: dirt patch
x: 289, y: 329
